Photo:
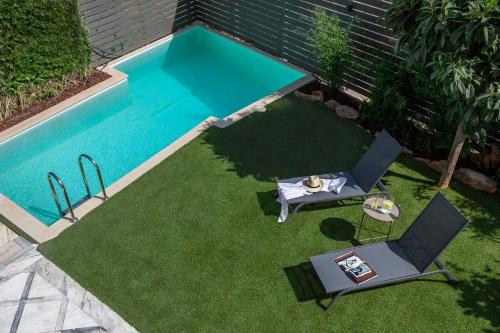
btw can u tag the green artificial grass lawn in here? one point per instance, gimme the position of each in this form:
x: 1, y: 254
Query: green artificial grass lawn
x: 194, y: 245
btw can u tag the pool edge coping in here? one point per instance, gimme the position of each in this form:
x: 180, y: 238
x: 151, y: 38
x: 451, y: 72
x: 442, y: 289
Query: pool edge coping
x: 43, y: 233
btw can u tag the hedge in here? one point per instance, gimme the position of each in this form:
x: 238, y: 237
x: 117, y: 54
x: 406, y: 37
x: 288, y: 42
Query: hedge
x: 40, y: 41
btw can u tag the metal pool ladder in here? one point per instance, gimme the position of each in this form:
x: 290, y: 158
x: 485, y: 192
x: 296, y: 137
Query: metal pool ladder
x: 99, y: 176
x: 52, y: 175
x: 65, y: 193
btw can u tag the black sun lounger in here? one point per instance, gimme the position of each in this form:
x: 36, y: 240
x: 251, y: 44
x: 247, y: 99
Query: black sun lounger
x: 361, y: 180
x: 405, y: 259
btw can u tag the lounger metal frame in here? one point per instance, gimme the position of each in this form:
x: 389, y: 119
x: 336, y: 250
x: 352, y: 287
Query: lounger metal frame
x: 366, y: 173
x: 379, y: 185
x: 438, y: 215
x: 442, y: 270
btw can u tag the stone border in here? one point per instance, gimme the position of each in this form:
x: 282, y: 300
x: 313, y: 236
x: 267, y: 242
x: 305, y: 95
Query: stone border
x: 42, y: 233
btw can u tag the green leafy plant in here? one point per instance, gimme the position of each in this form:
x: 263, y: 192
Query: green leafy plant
x: 395, y: 91
x: 43, y: 45
x: 410, y: 105
x: 496, y: 178
x: 388, y: 105
x: 331, y: 43
x: 458, y: 41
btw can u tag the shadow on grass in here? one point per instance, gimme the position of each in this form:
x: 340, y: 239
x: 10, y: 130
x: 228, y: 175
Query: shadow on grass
x: 484, y: 216
x: 421, y: 187
x: 482, y: 209
x: 298, y: 138
x: 305, y: 283
x: 291, y: 139
x: 479, y: 295
x: 339, y: 229
x: 268, y: 203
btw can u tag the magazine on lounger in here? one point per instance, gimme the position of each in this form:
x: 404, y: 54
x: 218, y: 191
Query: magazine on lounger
x: 355, y: 267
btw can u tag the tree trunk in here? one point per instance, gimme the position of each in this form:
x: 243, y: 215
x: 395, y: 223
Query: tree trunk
x: 456, y: 148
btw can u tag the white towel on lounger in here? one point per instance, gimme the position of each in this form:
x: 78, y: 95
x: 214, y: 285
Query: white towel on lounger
x: 334, y: 184
x: 288, y: 191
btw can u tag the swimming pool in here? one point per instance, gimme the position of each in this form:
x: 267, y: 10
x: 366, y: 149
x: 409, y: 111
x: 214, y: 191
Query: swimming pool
x: 170, y: 89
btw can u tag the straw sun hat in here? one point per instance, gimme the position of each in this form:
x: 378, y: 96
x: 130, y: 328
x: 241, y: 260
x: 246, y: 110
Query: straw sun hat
x: 313, y: 184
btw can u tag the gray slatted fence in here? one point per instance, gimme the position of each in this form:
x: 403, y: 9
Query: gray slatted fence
x: 275, y: 26
x: 278, y: 27
x: 120, y: 26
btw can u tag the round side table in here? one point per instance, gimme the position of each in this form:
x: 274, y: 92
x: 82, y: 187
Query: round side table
x: 375, y: 214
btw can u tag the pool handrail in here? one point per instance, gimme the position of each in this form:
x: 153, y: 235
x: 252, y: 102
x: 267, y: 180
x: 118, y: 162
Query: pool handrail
x: 65, y: 193
x: 84, y: 176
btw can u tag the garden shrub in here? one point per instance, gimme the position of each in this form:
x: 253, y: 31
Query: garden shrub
x: 330, y: 41
x: 393, y: 102
x: 388, y: 105
x: 458, y: 42
x: 42, y: 42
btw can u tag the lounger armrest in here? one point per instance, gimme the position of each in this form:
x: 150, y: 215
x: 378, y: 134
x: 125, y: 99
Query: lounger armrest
x: 381, y: 186
x: 439, y: 264
x: 383, y: 190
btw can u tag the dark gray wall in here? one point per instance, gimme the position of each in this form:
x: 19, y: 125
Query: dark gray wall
x: 276, y: 25
x: 121, y: 26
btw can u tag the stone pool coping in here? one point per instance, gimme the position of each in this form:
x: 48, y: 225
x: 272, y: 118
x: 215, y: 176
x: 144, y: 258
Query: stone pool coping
x: 42, y: 233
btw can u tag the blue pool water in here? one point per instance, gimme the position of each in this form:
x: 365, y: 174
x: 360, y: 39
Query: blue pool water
x: 170, y: 89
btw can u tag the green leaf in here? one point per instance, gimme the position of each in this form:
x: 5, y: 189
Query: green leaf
x: 486, y: 34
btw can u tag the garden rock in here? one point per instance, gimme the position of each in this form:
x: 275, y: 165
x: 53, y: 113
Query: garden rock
x: 423, y: 160
x: 332, y: 104
x: 317, y: 96
x: 492, y: 161
x: 346, y: 112
x: 475, y: 179
x: 407, y: 151
x: 437, y: 165
x: 488, y: 161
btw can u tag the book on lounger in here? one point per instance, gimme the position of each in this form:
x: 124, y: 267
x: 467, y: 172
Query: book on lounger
x: 355, y: 267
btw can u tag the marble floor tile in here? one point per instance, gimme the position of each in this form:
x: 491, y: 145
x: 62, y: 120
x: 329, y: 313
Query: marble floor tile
x: 39, y: 316
x: 40, y: 288
x: 75, y: 317
x: 6, y: 234
x: 7, y: 314
x: 8, y: 251
x: 21, y: 263
x: 12, y: 289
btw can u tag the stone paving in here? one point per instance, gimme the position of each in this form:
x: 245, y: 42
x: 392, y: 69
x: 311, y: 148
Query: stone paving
x: 36, y: 296
x: 6, y: 235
